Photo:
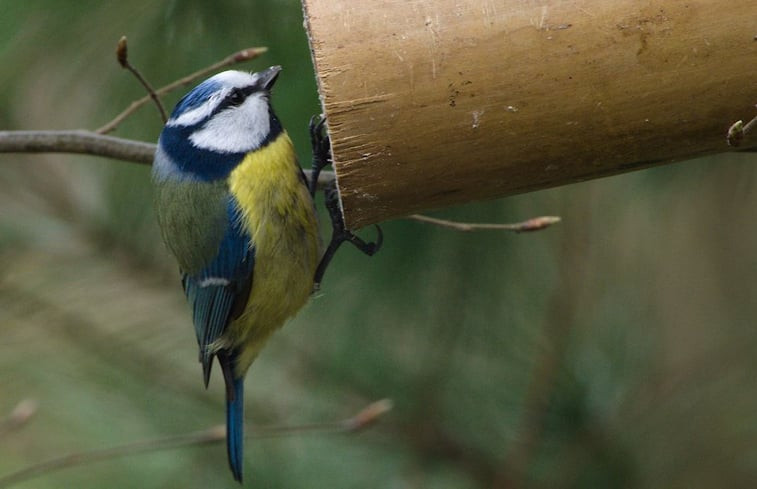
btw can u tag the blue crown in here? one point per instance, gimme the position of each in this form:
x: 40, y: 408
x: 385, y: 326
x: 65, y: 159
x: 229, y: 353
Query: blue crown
x: 198, y: 96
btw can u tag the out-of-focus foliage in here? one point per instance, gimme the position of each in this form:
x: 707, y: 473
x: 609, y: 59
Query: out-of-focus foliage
x: 616, y: 350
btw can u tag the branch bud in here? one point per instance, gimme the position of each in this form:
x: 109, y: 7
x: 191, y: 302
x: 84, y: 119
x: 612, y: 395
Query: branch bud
x: 248, y: 54
x: 122, y: 52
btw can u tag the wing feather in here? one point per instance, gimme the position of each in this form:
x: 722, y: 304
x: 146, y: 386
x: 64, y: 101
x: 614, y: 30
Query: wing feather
x: 219, y: 292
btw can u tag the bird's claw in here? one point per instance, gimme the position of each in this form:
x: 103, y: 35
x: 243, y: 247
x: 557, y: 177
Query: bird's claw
x: 340, y: 234
x: 321, y: 146
x: 369, y: 248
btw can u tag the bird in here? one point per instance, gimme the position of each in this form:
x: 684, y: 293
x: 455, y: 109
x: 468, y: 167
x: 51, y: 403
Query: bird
x: 235, y: 210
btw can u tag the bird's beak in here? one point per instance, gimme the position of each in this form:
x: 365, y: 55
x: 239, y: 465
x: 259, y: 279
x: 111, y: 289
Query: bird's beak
x: 268, y: 77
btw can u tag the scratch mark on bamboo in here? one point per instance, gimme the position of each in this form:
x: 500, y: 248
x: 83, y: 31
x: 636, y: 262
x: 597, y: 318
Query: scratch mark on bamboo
x: 358, y: 103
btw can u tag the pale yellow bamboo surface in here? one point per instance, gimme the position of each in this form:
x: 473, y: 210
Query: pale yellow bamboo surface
x: 432, y: 103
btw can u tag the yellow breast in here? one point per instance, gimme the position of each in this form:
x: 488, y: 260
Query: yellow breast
x: 278, y: 212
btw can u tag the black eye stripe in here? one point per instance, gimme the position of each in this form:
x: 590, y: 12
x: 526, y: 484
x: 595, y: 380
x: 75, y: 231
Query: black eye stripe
x: 238, y: 95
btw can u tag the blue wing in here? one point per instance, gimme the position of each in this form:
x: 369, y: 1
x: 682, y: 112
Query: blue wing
x: 219, y: 292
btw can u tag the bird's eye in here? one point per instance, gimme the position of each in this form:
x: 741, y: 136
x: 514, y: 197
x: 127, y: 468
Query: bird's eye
x: 236, y: 97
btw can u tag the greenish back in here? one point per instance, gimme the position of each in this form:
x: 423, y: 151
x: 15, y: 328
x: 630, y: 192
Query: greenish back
x: 192, y: 218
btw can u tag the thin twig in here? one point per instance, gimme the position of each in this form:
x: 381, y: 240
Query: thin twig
x: 533, y: 224
x: 23, y: 411
x: 238, y: 57
x: 122, y: 55
x: 214, y: 435
x: 358, y: 422
x: 197, y: 438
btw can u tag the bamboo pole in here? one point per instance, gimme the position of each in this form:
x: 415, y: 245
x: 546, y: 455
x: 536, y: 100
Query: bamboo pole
x: 437, y: 102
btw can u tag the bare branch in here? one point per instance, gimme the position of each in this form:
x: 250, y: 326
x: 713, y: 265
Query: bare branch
x: 238, y: 57
x: 210, y: 436
x: 76, y: 141
x: 91, y: 143
x: 533, y: 224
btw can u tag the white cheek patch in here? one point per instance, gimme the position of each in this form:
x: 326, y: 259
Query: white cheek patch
x: 237, y: 129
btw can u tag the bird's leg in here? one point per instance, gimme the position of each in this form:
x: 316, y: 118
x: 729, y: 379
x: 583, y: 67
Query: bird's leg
x: 319, y: 141
x: 339, y: 233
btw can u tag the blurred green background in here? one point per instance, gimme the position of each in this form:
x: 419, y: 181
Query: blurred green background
x: 617, y: 349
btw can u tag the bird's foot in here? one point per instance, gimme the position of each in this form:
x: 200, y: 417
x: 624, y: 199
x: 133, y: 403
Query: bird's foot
x: 321, y: 146
x: 319, y: 142
x: 339, y: 234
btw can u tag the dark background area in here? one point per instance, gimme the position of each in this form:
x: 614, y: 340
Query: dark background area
x: 616, y: 349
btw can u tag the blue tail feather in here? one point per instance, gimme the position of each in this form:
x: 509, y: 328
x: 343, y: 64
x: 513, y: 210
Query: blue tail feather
x: 235, y: 428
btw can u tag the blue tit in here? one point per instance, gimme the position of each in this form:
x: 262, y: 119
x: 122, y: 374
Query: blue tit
x: 235, y: 211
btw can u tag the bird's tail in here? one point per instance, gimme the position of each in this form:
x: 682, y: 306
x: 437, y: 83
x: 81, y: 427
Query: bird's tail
x: 235, y: 428
x: 234, y: 417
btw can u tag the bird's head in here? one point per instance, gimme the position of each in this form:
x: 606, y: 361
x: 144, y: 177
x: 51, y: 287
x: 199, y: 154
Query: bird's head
x: 216, y: 124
